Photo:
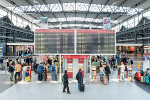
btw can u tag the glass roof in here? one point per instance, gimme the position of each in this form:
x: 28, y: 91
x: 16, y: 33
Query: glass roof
x: 70, y: 7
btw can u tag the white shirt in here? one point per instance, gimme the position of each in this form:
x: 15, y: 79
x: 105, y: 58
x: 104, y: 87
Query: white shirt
x: 101, y: 70
x: 122, y: 68
x: 24, y: 68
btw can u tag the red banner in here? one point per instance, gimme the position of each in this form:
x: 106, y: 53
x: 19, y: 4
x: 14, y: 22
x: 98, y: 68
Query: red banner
x: 70, y: 68
x: 94, y: 31
x: 54, y: 30
x: 75, y: 56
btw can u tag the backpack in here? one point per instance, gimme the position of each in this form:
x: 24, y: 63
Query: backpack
x: 131, y: 61
x: 77, y: 76
x: 63, y: 80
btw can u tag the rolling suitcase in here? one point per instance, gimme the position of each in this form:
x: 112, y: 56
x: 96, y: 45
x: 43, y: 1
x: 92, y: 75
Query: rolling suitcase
x: 146, y: 79
x: 142, y: 79
x: 82, y: 87
x: 105, y: 80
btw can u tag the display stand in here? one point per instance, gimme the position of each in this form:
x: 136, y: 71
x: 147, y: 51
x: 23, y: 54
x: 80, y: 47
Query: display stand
x: 129, y: 74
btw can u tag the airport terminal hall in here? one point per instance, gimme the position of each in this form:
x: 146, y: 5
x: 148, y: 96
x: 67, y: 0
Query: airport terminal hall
x: 74, y: 49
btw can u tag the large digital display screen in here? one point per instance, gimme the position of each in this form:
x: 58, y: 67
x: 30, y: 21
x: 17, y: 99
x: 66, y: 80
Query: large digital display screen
x: 54, y: 41
x: 93, y: 41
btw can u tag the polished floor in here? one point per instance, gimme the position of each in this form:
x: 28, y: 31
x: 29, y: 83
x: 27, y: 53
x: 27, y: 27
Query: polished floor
x: 48, y: 90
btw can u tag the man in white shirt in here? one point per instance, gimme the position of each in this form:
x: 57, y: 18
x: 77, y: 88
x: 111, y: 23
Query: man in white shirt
x: 122, y: 67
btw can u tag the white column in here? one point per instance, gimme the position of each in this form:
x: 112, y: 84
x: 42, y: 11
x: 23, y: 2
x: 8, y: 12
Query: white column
x: 60, y: 68
x: 90, y: 69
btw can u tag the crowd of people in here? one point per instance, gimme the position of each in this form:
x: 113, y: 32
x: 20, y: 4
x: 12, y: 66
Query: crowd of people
x: 16, y: 66
x: 112, y: 62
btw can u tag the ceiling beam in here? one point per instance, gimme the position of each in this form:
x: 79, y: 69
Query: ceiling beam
x: 16, y: 13
x: 87, y: 12
x: 63, y: 11
x: 79, y: 12
x: 136, y: 5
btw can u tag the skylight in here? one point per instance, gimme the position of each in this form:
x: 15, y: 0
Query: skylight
x: 70, y: 7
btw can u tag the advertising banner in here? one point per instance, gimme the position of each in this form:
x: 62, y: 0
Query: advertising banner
x: 43, y: 23
x: 81, y: 66
x: 70, y: 68
x: 1, y: 51
x: 106, y: 23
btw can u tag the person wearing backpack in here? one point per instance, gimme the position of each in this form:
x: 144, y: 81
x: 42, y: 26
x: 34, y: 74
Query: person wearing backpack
x: 11, y: 70
x: 65, y: 82
x: 40, y: 71
x: 52, y: 70
x: 107, y: 70
x: 79, y: 78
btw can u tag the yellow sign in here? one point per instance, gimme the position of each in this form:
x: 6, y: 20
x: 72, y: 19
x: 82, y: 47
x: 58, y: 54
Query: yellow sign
x: 0, y: 50
x: 138, y: 65
x: 69, y: 69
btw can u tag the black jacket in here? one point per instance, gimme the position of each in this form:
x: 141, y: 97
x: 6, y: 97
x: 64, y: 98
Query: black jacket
x: 66, y: 80
x: 107, y: 70
x: 49, y: 61
x: 80, y: 80
x: 11, y: 69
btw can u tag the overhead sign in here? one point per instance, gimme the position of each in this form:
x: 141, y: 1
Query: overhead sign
x: 1, y: 51
x: 43, y: 23
x: 106, y: 23
x: 76, y: 56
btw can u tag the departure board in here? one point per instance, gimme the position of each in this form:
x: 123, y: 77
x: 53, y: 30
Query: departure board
x: 54, y: 41
x: 93, y: 41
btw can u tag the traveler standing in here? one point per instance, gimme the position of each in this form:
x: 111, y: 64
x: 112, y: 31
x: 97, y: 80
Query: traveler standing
x: 7, y: 62
x: 1, y: 63
x: 122, y: 67
x: 11, y: 70
x: 80, y: 79
x: 52, y: 70
x: 27, y: 60
x: 101, y: 73
x: 24, y: 71
x: 40, y: 71
x: 107, y: 70
x: 49, y: 61
x: 65, y: 82
x: 18, y: 70
x: 30, y: 60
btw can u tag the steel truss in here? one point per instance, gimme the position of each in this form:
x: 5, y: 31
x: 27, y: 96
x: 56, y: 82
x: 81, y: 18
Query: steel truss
x: 140, y: 33
x: 11, y: 33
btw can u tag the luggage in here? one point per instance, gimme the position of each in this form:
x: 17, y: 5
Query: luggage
x: 82, y: 87
x: 137, y: 75
x: 146, y: 79
x: 105, y: 80
x: 27, y: 79
x: 142, y: 79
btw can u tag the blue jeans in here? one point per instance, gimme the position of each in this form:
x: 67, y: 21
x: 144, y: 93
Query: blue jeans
x: 79, y: 86
x: 39, y: 76
x: 101, y: 76
x: 53, y: 76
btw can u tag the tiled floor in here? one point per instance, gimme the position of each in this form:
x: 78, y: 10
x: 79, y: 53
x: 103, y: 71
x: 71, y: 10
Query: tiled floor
x: 47, y: 90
